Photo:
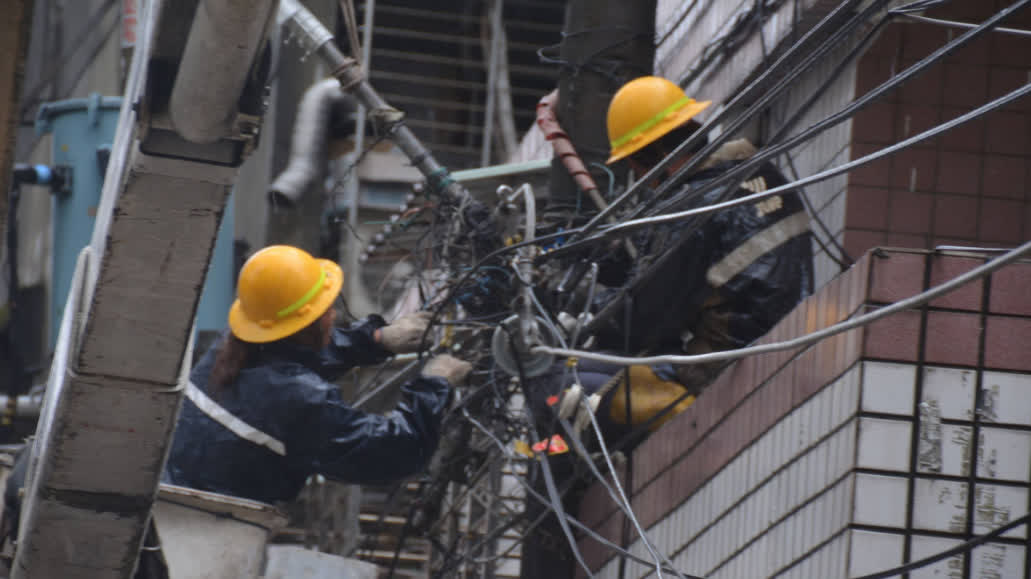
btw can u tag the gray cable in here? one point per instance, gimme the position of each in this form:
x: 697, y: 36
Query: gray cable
x: 813, y: 337
x: 622, y: 494
x: 821, y: 176
x: 954, y: 24
x: 564, y: 515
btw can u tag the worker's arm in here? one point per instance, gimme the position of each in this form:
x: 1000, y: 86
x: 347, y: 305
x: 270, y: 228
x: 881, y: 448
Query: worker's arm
x: 357, y: 447
x: 354, y: 346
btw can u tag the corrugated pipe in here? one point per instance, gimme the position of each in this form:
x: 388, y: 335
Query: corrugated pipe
x: 310, y: 141
x: 547, y: 120
x: 220, y: 50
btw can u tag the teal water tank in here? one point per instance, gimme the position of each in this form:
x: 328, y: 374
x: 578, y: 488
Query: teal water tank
x: 83, y: 130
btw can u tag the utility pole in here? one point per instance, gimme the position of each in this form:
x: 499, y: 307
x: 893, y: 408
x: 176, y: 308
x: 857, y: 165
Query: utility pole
x: 605, y: 44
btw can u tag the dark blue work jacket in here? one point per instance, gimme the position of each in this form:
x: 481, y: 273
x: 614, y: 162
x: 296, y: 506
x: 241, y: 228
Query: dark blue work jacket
x: 286, y: 396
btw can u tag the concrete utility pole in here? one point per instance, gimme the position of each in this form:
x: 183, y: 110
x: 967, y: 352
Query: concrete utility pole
x: 605, y: 44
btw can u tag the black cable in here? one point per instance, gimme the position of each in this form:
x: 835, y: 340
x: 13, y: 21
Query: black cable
x: 574, y: 521
x: 845, y: 260
x: 961, y: 548
x: 628, y: 417
x: 696, y: 138
x: 549, y: 477
x: 741, y: 171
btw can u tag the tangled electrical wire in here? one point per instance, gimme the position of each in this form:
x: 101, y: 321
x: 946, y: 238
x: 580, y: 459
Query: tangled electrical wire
x: 471, y: 258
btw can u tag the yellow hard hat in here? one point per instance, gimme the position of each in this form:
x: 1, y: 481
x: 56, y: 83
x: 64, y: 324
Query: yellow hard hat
x: 645, y: 109
x: 281, y: 291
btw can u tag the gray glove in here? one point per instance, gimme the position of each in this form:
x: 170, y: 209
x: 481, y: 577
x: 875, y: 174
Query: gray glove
x: 447, y: 367
x: 404, y: 335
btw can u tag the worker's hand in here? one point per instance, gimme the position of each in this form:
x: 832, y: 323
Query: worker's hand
x: 405, y: 334
x: 447, y: 367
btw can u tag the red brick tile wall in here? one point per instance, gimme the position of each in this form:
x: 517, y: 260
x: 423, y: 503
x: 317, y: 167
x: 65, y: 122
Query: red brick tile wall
x: 754, y: 393
x: 971, y: 186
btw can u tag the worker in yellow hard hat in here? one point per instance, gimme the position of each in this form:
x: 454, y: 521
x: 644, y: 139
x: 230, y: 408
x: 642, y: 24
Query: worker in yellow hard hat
x: 730, y: 275
x: 261, y: 414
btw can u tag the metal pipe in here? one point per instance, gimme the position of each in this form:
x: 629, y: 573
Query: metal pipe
x: 355, y: 293
x: 319, y: 40
x: 492, y: 80
x: 224, y: 38
x: 22, y: 406
x: 308, y: 147
x: 547, y: 120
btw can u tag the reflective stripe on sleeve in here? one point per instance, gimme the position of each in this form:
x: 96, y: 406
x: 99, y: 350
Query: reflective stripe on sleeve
x: 755, y: 247
x: 238, y: 427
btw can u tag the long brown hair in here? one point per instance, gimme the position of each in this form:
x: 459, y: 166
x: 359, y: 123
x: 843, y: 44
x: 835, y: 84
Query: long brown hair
x: 234, y: 355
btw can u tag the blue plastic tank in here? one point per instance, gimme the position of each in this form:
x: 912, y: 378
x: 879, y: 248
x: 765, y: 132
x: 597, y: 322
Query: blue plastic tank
x: 83, y: 130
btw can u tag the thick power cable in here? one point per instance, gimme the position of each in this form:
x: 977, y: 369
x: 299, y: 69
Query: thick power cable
x: 572, y: 520
x: 618, y: 496
x: 549, y: 477
x: 806, y: 339
x: 958, y: 549
x: 717, y: 119
x: 745, y: 168
x: 632, y: 225
x: 954, y: 24
x: 742, y: 170
x: 622, y: 493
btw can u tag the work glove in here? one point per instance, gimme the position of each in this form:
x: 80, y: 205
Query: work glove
x: 447, y: 367
x: 405, y: 334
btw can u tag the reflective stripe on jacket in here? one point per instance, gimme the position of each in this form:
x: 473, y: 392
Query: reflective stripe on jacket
x: 286, y: 398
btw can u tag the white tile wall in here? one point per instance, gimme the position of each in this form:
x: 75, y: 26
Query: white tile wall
x: 996, y: 505
x: 888, y: 387
x: 952, y: 389
x: 884, y: 444
x: 815, y: 469
x: 787, y: 541
x: 1007, y: 397
x: 955, y: 444
x: 924, y: 546
x: 881, y: 500
x: 872, y: 552
x: 994, y: 560
x: 940, y: 505
x: 1004, y: 454
x: 829, y: 562
x: 712, y: 535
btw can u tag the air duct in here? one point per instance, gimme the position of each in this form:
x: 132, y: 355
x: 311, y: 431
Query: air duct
x: 309, y: 145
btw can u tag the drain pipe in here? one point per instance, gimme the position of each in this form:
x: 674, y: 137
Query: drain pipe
x: 318, y: 40
x: 547, y: 120
x: 224, y: 38
x: 310, y: 141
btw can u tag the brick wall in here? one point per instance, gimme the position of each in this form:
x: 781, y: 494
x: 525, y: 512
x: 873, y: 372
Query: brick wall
x: 969, y: 187
x: 791, y: 460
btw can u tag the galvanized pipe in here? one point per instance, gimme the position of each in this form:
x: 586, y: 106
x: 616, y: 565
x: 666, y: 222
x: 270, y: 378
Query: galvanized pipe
x: 224, y: 38
x: 319, y: 40
x: 494, y: 60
